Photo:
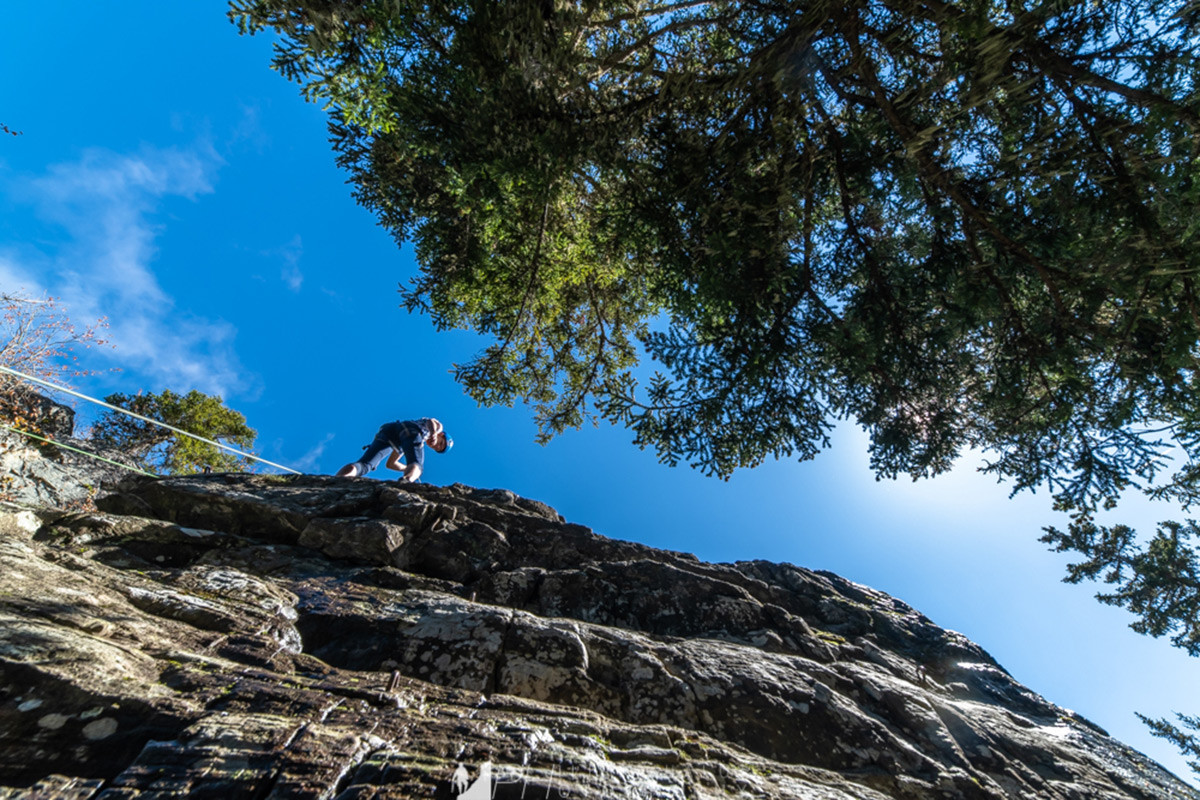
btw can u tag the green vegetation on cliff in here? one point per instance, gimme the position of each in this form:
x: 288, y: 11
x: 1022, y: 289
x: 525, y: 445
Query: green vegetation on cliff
x: 161, y: 450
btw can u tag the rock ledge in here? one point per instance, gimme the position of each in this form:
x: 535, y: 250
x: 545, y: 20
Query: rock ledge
x: 262, y: 636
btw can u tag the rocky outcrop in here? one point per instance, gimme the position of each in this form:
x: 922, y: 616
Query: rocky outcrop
x: 51, y: 417
x: 261, y: 636
x: 56, y: 475
x: 25, y: 408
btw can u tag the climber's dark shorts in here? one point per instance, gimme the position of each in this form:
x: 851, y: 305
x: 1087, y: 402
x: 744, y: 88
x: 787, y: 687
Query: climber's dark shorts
x: 403, y: 436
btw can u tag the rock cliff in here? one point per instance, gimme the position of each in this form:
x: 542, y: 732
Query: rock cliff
x: 252, y: 636
x: 41, y: 474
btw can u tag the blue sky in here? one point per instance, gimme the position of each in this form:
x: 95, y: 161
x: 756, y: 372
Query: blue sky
x: 166, y: 179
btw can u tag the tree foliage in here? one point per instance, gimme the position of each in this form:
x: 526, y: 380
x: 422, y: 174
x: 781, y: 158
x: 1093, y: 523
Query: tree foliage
x: 161, y: 450
x: 1158, y: 580
x: 960, y: 224
x: 965, y: 224
x: 1188, y: 744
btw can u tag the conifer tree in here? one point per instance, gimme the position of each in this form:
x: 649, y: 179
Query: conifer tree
x: 158, y: 449
x: 959, y: 224
x: 962, y: 225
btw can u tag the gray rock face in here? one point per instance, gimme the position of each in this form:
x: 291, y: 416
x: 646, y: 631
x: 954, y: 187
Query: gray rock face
x: 53, y: 475
x: 258, y: 636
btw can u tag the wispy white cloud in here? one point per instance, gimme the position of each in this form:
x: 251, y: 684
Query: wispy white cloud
x: 106, y: 202
x: 293, y: 278
x: 309, y: 460
x: 249, y: 131
x: 291, y: 254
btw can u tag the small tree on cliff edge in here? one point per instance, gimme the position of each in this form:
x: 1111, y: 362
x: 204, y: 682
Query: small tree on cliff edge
x: 962, y: 225
x: 161, y: 450
x: 38, y: 339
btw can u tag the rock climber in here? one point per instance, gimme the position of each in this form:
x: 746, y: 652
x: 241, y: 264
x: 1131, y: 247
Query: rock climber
x: 408, y: 437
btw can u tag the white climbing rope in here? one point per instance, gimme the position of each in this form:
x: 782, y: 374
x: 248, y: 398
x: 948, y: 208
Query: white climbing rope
x: 127, y: 412
x: 77, y: 450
